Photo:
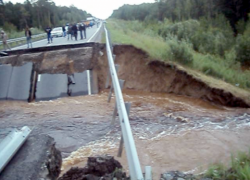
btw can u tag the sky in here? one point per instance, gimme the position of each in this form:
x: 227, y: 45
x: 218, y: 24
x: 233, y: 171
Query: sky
x: 99, y: 8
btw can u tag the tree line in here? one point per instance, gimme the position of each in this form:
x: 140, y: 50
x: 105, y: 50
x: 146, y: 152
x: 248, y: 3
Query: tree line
x: 38, y: 13
x: 179, y: 10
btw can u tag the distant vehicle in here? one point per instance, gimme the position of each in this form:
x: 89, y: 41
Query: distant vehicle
x: 57, y: 32
x: 90, y: 18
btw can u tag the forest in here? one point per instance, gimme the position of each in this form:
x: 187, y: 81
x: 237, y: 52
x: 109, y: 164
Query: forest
x: 38, y: 14
x: 211, y: 36
x: 179, y: 10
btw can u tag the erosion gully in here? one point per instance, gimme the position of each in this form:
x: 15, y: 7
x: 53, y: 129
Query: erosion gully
x: 171, y: 132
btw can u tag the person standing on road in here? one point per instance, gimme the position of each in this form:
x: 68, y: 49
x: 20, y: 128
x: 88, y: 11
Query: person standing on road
x: 4, y: 38
x: 28, y: 37
x: 74, y: 29
x: 84, y: 30
x: 70, y: 31
x: 64, y: 31
x: 48, y: 31
x: 81, y: 29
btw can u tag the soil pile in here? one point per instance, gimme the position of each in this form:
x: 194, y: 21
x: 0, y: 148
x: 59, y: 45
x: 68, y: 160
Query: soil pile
x: 101, y: 167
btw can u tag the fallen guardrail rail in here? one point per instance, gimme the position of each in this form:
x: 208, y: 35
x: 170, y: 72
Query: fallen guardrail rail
x: 24, y: 38
x: 127, y: 136
x: 11, y: 144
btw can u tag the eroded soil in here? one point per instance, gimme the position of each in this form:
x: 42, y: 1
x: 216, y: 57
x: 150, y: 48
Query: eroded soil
x: 142, y: 73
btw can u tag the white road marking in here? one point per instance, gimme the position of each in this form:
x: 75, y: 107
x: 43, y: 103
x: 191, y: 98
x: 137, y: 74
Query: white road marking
x: 95, y: 32
x: 39, y: 78
x: 88, y: 80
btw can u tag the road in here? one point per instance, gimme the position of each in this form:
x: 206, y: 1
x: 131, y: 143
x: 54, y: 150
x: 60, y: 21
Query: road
x: 91, y: 33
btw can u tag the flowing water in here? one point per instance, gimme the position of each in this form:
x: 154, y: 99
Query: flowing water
x: 171, y: 132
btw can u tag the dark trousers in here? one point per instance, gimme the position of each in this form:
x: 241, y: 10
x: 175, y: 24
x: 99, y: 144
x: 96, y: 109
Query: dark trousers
x: 75, y: 34
x: 85, y: 34
x: 49, y: 37
x: 81, y: 34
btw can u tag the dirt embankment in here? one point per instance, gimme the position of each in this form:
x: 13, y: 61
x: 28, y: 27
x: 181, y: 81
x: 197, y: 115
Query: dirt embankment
x: 141, y: 73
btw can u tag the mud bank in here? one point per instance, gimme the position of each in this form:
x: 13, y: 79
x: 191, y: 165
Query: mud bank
x: 141, y: 73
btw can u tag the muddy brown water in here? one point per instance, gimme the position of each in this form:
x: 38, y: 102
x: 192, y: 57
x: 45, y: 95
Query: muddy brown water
x: 171, y: 132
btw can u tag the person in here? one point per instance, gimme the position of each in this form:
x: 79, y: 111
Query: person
x: 81, y: 29
x: 48, y: 31
x: 74, y: 29
x: 84, y: 30
x: 4, y: 38
x: 64, y: 31
x: 70, y: 31
x: 91, y: 24
x: 28, y: 37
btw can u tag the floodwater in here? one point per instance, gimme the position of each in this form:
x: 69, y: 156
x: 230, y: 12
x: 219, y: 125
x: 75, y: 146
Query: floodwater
x: 171, y: 132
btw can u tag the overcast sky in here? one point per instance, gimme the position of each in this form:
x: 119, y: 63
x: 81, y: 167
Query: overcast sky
x: 98, y: 8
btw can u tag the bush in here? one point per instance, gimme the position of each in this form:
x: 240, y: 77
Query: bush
x: 9, y: 27
x: 243, y: 49
x: 212, y: 41
x: 180, y: 51
x: 182, y: 30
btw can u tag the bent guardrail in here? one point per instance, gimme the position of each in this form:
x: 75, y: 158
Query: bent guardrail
x: 11, y: 144
x: 132, y: 157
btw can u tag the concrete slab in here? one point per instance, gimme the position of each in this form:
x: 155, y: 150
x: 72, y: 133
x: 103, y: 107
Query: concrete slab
x: 51, y: 86
x: 31, y: 161
x: 80, y: 86
x: 94, y: 82
x: 20, y: 83
x: 5, y: 75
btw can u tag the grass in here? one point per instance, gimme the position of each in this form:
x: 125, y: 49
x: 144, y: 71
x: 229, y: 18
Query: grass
x: 240, y: 169
x: 223, y: 69
x: 154, y: 45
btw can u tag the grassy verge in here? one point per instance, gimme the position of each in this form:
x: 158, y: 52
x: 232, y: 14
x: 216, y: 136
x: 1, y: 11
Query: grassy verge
x: 226, y: 69
x: 240, y: 169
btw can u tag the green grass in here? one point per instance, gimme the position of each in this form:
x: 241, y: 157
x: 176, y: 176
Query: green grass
x: 143, y: 37
x: 239, y: 170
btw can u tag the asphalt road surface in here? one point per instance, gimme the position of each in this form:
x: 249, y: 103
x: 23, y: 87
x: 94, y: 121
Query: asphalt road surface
x: 91, y: 33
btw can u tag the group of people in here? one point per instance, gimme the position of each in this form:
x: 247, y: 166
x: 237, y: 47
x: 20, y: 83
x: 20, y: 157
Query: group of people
x: 4, y: 38
x: 73, y: 31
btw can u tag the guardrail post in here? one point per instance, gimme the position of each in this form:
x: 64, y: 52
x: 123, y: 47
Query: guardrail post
x: 108, y: 76
x: 148, y: 173
x: 119, y: 154
x: 111, y: 88
x: 121, y: 82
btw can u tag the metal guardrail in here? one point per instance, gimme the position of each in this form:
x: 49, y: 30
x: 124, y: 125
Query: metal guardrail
x: 132, y: 157
x: 11, y: 144
x: 23, y: 38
